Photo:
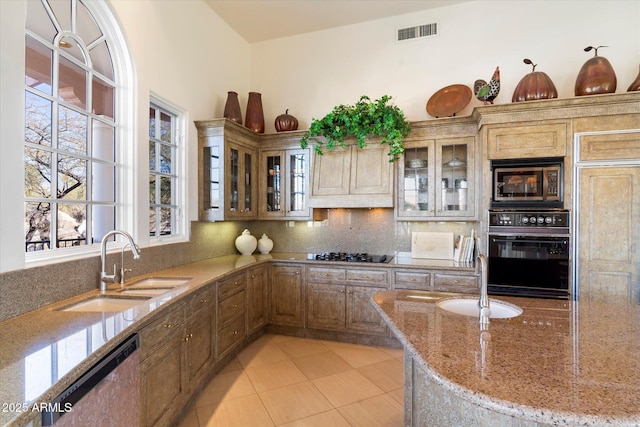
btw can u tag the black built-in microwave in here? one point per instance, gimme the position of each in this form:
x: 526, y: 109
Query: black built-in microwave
x: 535, y: 183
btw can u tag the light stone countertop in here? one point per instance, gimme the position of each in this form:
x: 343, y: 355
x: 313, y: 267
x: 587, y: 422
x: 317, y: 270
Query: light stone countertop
x: 558, y: 363
x: 44, y: 351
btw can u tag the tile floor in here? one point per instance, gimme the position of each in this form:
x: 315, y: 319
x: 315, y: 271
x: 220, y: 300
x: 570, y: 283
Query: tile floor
x: 294, y: 382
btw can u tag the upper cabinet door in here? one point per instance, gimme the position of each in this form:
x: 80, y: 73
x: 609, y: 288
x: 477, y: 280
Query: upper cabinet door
x: 353, y: 177
x: 437, y: 180
x: 331, y: 172
x: 284, y: 184
x: 227, y: 176
x: 454, y: 174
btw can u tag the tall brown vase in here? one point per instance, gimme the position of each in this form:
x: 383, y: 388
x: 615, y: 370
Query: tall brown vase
x: 254, y: 117
x: 232, y: 108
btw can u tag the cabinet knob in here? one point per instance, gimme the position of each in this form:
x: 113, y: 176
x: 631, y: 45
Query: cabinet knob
x: 297, y: 272
x: 253, y: 276
x: 204, y: 300
x: 326, y: 274
x: 235, y: 305
x: 342, y: 291
x: 168, y: 325
x: 234, y: 333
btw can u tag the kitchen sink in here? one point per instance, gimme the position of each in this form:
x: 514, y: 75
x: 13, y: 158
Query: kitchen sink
x: 469, y: 307
x: 158, y: 283
x: 145, y: 291
x: 106, y: 303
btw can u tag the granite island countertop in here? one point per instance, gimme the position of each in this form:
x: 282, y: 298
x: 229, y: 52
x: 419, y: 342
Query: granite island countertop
x: 558, y: 363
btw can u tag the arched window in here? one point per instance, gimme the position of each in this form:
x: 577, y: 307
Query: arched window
x: 73, y: 131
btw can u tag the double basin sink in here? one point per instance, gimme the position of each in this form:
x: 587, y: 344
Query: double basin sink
x: 130, y: 296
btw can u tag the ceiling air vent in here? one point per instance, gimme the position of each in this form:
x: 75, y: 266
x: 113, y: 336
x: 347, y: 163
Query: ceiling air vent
x: 412, y: 33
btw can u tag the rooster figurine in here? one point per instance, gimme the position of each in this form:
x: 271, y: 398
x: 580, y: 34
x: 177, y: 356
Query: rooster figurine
x: 487, y: 92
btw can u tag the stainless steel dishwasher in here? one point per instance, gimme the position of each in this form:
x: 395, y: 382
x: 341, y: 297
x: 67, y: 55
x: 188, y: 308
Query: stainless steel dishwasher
x: 105, y: 395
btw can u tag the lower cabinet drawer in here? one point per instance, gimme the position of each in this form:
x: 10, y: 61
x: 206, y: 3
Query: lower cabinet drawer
x: 231, y: 285
x: 412, y: 280
x: 324, y: 275
x: 455, y: 283
x: 229, y: 336
x: 157, y: 333
x: 368, y: 277
x: 231, y: 308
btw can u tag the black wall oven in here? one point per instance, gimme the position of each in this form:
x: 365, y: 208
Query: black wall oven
x: 528, y: 253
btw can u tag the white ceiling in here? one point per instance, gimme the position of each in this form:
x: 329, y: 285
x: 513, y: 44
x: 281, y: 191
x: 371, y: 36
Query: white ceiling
x: 259, y: 20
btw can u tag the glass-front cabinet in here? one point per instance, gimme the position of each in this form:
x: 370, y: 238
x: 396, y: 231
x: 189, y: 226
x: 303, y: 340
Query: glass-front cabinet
x: 284, y: 184
x: 228, y: 172
x: 436, y: 179
x: 242, y: 171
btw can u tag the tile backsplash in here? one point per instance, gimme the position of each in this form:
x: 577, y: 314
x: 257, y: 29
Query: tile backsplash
x: 347, y: 230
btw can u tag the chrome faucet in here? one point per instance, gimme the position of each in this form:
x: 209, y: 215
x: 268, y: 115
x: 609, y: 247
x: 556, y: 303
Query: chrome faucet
x: 126, y: 270
x: 483, y: 303
x: 112, y: 278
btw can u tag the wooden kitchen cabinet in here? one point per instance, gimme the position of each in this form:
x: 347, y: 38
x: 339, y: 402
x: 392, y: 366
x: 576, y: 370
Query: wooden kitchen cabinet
x: 162, y: 376
x: 257, y: 298
x: 352, y: 177
x: 436, y: 280
x: 340, y: 299
x: 517, y: 140
x: 228, y: 171
x: 287, y: 294
x: 199, y: 336
x: 231, y: 314
x: 284, y: 184
x: 449, y: 282
x: 437, y: 180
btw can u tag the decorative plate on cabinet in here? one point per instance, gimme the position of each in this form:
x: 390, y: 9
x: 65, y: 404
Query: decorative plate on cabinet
x: 449, y: 101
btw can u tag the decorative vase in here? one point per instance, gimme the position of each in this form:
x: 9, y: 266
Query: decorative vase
x: 635, y: 85
x: 254, y: 117
x: 232, y: 108
x: 596, y: 76
x: 265, y: 244
x: 246, y: 243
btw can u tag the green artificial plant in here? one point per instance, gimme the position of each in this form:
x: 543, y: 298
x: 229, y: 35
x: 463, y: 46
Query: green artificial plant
x: 365, y: 118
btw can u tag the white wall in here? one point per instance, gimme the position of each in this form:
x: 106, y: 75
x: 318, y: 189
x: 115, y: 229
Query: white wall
x: 184, y: 53
x: 311, y: 73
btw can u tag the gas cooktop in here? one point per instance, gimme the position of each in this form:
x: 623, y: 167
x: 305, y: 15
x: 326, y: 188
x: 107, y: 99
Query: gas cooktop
x: 349, y: 257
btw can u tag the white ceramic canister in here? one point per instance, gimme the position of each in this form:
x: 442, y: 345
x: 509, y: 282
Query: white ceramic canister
x: 246, y: 243
x: 265, y: 244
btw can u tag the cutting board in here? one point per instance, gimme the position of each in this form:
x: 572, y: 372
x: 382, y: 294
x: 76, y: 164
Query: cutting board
x: 431, y: 245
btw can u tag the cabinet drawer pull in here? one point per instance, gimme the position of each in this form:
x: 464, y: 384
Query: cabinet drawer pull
x: 297, y: 272
x: 168, y: 325
x: 235, y: 283
x: 188, y: 337
x: 235, y: 305
x: 234, y: 333
x: 253, y: 276
x: 204, y: 300
x: 342, y: 291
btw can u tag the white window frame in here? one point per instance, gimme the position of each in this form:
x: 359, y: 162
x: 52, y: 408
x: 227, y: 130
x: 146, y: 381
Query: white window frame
x: 180, y: 231
x: 125, y: 89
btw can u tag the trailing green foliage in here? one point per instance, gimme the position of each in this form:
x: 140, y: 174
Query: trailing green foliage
x: 365, y: 118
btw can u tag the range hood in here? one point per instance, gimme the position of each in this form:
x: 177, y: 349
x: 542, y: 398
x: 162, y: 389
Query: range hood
x: 352, y: 177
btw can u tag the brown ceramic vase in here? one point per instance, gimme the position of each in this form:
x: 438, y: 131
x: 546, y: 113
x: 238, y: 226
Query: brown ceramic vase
x: 232, y: 108
x: 254, y: 117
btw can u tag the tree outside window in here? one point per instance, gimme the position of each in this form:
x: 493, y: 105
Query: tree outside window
x: 70, y: 140
x: 163, y: 206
